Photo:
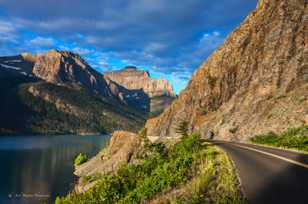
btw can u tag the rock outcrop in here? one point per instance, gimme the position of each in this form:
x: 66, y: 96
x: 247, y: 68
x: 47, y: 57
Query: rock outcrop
x: 123, y: 148
x: 159, y: 91
x: 254, y: 83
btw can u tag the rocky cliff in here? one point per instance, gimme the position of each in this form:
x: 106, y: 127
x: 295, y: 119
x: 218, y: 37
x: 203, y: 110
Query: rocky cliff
x: 159, y: 91
x: 122, y: 149
x: 254, y: 83
x: 67, y: 68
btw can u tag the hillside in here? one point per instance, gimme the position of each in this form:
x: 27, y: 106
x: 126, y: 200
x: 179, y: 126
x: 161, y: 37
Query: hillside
x: 131, y: 170
x: 254, y: 83
x: 159, y: 91
x: 58, y: 93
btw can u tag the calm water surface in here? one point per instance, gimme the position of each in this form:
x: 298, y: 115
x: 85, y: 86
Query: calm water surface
x: 35, y: 169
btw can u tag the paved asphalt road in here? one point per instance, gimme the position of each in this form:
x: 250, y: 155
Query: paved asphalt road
x: 270, y: 176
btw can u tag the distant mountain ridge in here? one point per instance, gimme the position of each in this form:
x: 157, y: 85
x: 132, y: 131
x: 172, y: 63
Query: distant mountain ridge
x: 69, y: 69
x: 133, y: 78
x: 159, y: 91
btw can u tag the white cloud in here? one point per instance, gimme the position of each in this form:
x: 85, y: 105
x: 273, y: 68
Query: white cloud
x: 82, y: 51
x: 6, y: 27
x: 8, y: 38
x: 41, y: 41
x: 7, y: 32
x: 211, y: 39
x: 155, y: 47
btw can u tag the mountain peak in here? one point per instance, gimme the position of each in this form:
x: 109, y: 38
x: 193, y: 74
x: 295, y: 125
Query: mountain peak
x: 128, y: 71
x: 68, y: 68
x: 133, y: 78
x: 160, y: 91
x: 61, y: 53
x: 52, y: 51
x: 130, y: 68
x: 28, y: 56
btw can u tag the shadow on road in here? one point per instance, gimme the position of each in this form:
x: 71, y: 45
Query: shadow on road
x: 289, y: 186
x: 269, y: 180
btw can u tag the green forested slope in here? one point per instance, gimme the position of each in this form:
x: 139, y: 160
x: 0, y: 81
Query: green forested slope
x: 59, y: 109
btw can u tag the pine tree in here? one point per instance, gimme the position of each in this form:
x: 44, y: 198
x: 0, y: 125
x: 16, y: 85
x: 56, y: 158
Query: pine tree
x: 182, y: 128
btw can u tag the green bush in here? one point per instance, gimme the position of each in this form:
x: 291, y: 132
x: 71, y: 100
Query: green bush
x: 134, y: 183
x: 182, y: 128
x: 189, y: 164
x: 233, y: 130
x: 58, y: 200
x: 143, y: 133
x: 80, y: 159
x: 293, y: 138
x: 85, y: 179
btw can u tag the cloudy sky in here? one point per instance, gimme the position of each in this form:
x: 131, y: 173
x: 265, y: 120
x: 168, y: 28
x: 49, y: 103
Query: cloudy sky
x: 170, y: 38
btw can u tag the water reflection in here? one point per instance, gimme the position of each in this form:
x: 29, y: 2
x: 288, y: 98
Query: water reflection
x: 34, y: 169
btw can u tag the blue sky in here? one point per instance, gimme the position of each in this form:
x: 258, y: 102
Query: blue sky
x: 170, y: 38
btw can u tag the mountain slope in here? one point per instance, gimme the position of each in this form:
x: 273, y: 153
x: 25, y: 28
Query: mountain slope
x: 159, y: 91
x: 58, y: 93
x: 254, y: 83
x: 67, y: 68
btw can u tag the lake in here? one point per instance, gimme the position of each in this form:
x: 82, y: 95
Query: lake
x: 35, y: 169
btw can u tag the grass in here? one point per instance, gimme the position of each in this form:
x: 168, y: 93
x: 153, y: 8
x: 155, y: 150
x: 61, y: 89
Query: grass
x: 215, y: 182
x: 204, y: 169
x: 80, y: 159
x: 293, y: 138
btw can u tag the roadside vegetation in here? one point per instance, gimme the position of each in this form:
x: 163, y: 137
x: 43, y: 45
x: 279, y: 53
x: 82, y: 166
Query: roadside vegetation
x: 182, y: 128
x: 293, y: 138
x: 189, y: 171
x: 80, y: 159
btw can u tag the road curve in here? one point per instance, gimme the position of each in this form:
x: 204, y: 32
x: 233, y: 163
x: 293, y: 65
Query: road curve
x: 269, y: 176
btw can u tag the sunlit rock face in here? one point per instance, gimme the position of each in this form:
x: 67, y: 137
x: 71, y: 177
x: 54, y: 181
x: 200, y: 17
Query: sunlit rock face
x: 159, y: 91
x: 62, y: 67
x: 122, y: 149
x: 133, y: 78
x: 254, y: 83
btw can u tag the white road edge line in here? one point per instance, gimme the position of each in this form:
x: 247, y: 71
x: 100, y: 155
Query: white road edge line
x: 273, y: 155
x: 278, y: 148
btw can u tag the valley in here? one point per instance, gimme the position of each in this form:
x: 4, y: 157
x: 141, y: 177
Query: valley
x: 253, y: 85
x: 128, y: 107
x: 57, y: 92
